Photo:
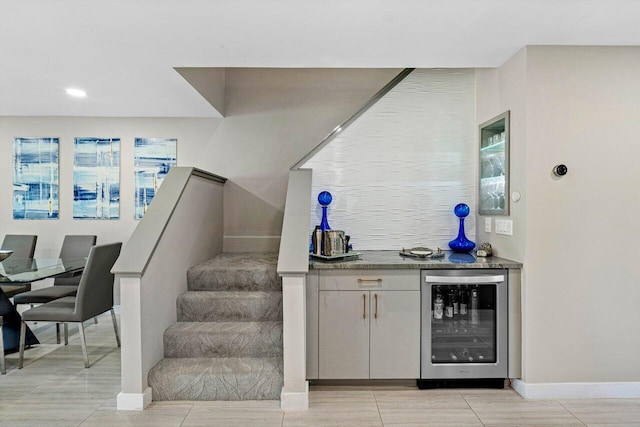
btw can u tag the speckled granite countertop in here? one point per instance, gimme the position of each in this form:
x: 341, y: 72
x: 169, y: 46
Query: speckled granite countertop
x: 393, y: 260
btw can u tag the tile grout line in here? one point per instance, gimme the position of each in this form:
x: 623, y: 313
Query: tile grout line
x: 187, y: 414
x: 375, y: 399
x: 90, y: 415
x: 472, y: 410
x: 572, y: 414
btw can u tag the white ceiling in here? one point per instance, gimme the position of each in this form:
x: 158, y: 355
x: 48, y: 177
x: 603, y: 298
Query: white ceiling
x: 123, y: 52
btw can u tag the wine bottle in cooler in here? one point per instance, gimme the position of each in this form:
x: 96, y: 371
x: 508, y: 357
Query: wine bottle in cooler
x: 448, y: 306
x: 453, y: 294
x: 438, y: 308
x: 474, y: 312
x: 464, y: 301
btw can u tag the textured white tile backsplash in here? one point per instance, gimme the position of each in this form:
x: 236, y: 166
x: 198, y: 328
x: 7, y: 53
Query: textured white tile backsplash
x: 397, y: 172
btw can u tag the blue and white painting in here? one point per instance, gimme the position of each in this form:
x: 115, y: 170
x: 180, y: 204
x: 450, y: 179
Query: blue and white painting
x: 153, y: 157
x: 35, y: 178
x: 96, y: 178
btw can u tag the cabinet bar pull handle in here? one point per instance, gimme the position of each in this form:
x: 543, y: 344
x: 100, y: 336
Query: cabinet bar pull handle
x: 364, y: 306
x: 369, y: 280
x: 375, y: 315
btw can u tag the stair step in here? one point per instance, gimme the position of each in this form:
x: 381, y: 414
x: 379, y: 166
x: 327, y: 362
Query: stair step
x: 223, y: 339
x: 217, y: 379
x: 227, y: 306
x: 236, y: 272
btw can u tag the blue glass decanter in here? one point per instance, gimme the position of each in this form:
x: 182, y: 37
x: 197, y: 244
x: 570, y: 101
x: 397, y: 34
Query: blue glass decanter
x: 461, y: 244
x: 324, y: 199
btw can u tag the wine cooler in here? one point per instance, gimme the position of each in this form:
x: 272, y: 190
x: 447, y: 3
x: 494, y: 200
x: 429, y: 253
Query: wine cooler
x: 464, y: 327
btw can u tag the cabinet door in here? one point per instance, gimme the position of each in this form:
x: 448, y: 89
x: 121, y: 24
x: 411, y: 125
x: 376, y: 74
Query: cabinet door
x: 344, y: 334
x: 395, y: 334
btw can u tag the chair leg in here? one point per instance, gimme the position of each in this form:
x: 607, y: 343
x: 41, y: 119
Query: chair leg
x: 23, y: 334
x: 95, y: 320
x: 115, y: 326
x: 57, y: 333
x: 30, y: 307
x: 66, y: 333
x: 3, y: 367
x: 83, y: 342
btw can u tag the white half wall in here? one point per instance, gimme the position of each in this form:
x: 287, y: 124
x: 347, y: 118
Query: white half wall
x: 398, y: 171
x: 149, y: 301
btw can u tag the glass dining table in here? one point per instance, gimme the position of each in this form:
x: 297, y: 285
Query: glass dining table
x: 17, y: 271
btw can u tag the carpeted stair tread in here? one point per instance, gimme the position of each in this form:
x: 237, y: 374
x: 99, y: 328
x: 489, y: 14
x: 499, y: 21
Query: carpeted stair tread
x: 223, y: 339
x: 229, y: 306
x: 237, y: 272
x: 227, y: 344
x: 217, y: 379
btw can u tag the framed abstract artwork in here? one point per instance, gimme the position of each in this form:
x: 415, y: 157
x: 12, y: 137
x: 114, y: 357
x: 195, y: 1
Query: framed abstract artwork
x: 35, y: 178
x: 96, y: 178
x: 152, y: 159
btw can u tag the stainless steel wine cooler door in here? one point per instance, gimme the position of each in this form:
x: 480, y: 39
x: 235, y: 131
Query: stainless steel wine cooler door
x: 464, y: 324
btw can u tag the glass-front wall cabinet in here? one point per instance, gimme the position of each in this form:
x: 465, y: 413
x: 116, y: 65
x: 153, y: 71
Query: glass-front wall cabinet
x: 494, y: 166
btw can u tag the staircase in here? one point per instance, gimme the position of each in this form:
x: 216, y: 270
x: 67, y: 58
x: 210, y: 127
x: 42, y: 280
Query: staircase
x: 227, y: 344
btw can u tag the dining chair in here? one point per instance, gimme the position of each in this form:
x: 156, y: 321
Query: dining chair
x: 23, y: 246
x: 73, y: 246
x: 94, y: 297
x: 76, y: 246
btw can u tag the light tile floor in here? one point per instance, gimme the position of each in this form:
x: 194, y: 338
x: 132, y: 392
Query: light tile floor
x: 54, y: 389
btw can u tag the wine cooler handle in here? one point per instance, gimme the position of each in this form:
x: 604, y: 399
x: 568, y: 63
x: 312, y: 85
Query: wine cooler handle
x: 475, y: 280
x: 364, y: 306
x: 375, y: 314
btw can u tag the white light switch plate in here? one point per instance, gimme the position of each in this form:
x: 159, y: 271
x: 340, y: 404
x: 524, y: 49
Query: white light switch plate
x: 504, y: 226
x: 487, y: 225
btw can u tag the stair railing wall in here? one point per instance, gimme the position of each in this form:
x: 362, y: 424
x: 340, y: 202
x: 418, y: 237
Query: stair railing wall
x: 182, y: 227
x: 293, y: 266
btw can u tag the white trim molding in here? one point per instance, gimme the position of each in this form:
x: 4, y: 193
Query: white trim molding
x: 134, y: 401
x: 576, y: 390
x: 295, y: 401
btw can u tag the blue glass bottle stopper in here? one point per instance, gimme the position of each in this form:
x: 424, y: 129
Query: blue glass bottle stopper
x: 324, y: 198
x: 461, y: 244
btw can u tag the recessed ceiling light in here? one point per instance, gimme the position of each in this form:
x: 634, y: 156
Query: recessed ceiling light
x: 78, y: 93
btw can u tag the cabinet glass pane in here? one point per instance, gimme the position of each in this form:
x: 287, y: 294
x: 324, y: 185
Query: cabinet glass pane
x: 494, y: 166
x: 463, y: 324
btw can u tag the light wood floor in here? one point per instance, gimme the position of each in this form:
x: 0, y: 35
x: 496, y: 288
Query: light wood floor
x: 54, y: 389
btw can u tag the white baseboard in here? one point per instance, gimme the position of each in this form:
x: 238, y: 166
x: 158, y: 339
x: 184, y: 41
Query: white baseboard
x: 575, y: 390
x: 251, y: 244
x: 295, y: 401
x: 134, y: 401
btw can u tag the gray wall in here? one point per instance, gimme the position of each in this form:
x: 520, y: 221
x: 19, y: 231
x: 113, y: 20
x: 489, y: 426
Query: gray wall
x: 273, y: 117
x: 578, y: 244
x: 192, y: 135
x: 499, y: 90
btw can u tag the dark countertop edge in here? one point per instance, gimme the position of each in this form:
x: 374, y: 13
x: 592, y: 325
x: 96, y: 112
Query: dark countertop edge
x: 392, y: 260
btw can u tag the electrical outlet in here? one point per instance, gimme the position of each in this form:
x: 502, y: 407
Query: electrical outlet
x: 504, y: 226
x: 487, y: 225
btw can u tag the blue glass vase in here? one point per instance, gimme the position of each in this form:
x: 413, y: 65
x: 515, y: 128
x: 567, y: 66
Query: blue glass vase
x: 324, y: 198
x: 461, y: 244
